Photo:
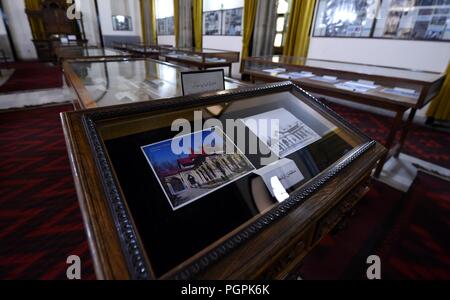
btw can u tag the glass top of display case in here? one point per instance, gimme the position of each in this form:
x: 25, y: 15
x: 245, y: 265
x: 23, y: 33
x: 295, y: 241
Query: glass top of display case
x: 363, y: 69
x: 87, y: 52
x: 189, y: 190
x: 117, y: 82
x: 199, y: 50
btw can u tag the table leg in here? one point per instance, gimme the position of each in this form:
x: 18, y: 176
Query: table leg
x: 390, y: 141
x: 405, y: 131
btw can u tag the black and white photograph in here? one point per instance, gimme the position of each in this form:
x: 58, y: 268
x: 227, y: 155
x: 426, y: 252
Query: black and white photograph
x: 291, y: 135
x: 392, y: 23
x: 202, y: 168
x: 165, y: 26
x: 233, y: 21
x: 122, y: 23
x: 212, y: 22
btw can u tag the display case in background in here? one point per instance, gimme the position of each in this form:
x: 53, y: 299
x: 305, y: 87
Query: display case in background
x: 143, y: 49
x: 91, y: 53
x: 201, y: 58
x: 201, y: 214
x: 104, y: 83
x: 394, y: 89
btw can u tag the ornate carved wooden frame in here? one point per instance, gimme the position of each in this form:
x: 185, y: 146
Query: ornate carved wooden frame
x: 137, y: 262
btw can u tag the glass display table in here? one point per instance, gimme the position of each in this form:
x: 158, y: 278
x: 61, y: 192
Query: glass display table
x: 156, y: 211
x: 93, y: 53
x: 394, y: 89
x: 105, y: 83
x: 147, y: 50
x: 201, y: 58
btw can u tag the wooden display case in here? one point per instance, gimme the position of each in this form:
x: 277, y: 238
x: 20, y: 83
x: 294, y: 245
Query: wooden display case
x: 100, y: 83
x: 140, y: 219
x: 394, y: 89
x: 91, y: 53
x: 201, y: 58
x: 146, y: 50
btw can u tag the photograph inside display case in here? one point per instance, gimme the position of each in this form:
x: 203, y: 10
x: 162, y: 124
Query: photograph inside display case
x: 195, y: 165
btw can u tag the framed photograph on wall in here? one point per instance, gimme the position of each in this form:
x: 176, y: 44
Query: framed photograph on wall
x: 233, y: 22
x: 122, y: 23
x: 212, y: 22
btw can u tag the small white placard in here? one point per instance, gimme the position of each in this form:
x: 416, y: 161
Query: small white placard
x: 284, y: 171
x: 275, y: 70
x: 202, y: 81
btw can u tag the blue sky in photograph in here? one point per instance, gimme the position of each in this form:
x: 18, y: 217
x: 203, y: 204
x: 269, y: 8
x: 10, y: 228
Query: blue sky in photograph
x: 161, y: 153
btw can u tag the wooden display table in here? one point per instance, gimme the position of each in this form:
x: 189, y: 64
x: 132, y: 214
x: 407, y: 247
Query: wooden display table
x: 394, y: 89
x: 151, y: 213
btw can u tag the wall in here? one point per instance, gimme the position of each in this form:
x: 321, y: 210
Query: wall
x: 418, y: 55
x: 90, y: 22
x: 109, y: 35
x: 20, y: 29
x: 231, y: 43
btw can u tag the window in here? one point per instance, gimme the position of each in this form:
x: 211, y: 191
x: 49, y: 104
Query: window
x: 282, y: 24
x: 394, y: 19
x: 164, y: 17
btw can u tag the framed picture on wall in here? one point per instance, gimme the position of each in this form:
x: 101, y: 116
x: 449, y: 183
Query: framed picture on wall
x: 212, y: 22
x: 233, y: 21
x: 122, y: 23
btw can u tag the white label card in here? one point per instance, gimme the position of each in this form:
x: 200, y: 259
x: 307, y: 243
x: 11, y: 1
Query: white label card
x: 284, y: 171
x: 202, y: 81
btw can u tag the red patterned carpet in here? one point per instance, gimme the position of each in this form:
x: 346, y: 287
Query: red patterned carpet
x: 32, y: 76
x: 40, y: 219
x: 41, y: 224
x: 429, y: 145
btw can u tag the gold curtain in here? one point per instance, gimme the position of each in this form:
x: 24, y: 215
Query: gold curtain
x: 176, y: 21
x: 300, y: 21
x: 198, y: 23
x: 147, y: 16
x: 440, y: 107
x: 153, y: 21
x: 250, y: 7
x: 143, y: 23
x: 36, y: 23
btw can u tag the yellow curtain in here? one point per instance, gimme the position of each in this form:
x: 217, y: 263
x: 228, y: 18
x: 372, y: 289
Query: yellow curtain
x: 440, y: 107
x: 250, y: 7
x: 300, y: 21
x: 198, y: 23
x: 153, y: 21
x: 143, y: 23
x: 148, y: 17
x: 36, y: 23
x: 176, y: 21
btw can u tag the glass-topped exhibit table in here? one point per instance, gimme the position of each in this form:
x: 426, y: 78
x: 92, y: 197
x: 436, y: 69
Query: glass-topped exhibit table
x: 113, y: 82
x: 144, y: 49
x: 394, y: 89
x: 94, y: 53
x: 201, y: 58
x: 235, y: 184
